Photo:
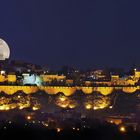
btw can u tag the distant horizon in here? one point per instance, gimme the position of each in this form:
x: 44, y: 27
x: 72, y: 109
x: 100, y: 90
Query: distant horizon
x: 52, y: 67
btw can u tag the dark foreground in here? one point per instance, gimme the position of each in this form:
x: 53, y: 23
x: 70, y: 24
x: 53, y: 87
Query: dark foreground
x: 102, y: 132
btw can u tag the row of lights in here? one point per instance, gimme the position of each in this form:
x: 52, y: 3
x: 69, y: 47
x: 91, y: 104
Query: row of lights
x: 122, y: 129
x: 89, y: 106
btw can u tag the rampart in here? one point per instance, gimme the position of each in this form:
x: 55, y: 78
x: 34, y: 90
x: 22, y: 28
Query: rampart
x: 67, y: 91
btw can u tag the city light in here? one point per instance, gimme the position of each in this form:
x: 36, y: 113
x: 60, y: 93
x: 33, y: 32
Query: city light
x: 95, y: 108
x: 73, y: 128
x: 28, y: 117
x: 35, y: 108
x: 88, y: 106
x: 46, y: 124
x: 110, y: 107
x: 18, y: 96
x: 58, y: 129
x: 122, y: 129
x: 63, y: 98
x: 72, y: 106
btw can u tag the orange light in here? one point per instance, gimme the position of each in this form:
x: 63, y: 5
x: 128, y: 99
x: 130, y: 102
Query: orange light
x: 29, y: 117
x: 122, y: 129
x: 58, y: 129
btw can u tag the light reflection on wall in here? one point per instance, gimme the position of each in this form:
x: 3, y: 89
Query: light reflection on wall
x: 65, y: 102
x: 18, y: 102
x: 22, y: 101
x: 97, y: 102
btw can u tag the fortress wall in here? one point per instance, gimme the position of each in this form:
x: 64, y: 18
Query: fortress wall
x: 54, y: 90
x: 129, y: 89
x: 29, y: 89
x: 87, y: 90
x: 49, y: 90
x: 104, y: 90
x: 10, y: 90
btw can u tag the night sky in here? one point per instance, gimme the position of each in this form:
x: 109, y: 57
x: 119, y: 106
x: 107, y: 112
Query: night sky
x: 84, y: 33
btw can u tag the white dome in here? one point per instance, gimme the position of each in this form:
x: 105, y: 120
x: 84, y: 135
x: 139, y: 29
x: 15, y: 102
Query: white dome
x: 4, y: 50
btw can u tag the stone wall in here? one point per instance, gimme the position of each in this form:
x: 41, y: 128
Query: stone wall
x: 66, y: 90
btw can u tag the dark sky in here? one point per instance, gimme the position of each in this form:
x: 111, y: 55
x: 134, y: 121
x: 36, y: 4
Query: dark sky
x: 84, y: 33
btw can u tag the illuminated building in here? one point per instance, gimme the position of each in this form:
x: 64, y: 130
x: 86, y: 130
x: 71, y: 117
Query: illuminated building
x: 11, y: 78
x: 3, y: 78
x: 32, y: 79
x: 69, y: 81
x: 50, y: 78
x: 116, y: 121
x: 88, y: 83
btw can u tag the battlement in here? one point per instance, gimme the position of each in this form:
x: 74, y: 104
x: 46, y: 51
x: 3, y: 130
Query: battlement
x: 67, y: 91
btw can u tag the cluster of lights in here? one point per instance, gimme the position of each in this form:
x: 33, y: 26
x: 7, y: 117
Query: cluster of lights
x: 89, y: 106
x: 65, y: 102
x: 21, y: 103
x: 97, y: 103
x: 122, y: 128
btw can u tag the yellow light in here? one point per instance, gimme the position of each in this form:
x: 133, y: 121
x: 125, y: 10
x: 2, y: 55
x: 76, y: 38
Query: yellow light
x: 2, y: 108
x: 62, y: 99
x: 21, y: 107
x: 95, y: 108
x: 102, y: 107
x: 72, y: 106
x: 18, y: 96
x: 122, y: 129
x: 35, y: 108
x: 64, y: 105
x: 7, y: 108
x: 88, y: 106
